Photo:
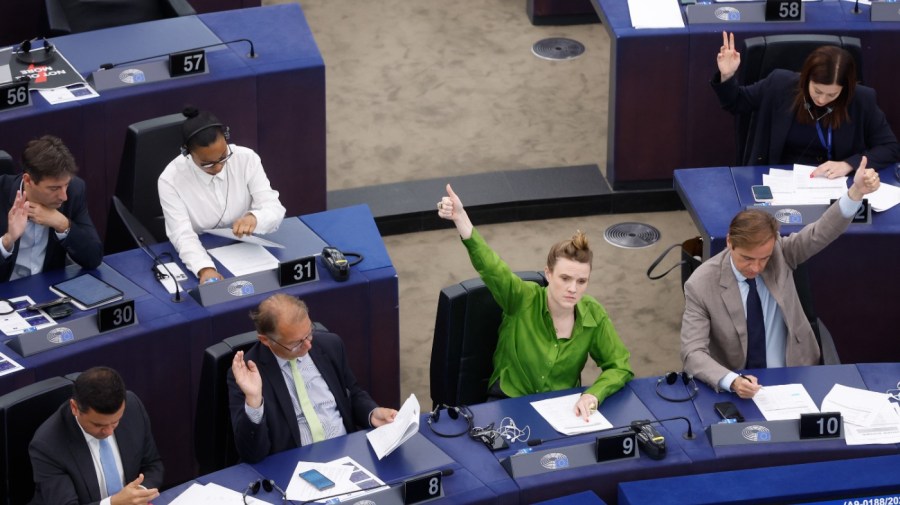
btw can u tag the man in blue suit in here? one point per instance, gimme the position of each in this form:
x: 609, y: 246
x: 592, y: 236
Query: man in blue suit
x: 97, y: 448
x: 285, y: 392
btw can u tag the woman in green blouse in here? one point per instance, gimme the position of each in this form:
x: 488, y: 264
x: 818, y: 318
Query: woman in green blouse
x: 547, y: 333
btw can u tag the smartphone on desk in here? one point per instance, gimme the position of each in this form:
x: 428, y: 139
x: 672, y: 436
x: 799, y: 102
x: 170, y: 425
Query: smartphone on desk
x: 728, y: 410
x: 317, y: 480
x: 762, y: 193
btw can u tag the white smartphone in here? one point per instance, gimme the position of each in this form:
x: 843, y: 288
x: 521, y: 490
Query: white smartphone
x: 762, y: 193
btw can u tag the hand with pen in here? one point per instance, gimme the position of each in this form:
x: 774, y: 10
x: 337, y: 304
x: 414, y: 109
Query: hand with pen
x: 745, y: 386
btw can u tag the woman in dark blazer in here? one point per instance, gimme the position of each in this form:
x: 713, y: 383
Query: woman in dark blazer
x: 819, y: 117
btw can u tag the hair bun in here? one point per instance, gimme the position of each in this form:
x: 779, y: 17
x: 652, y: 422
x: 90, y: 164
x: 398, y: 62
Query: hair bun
x: 190, y: 112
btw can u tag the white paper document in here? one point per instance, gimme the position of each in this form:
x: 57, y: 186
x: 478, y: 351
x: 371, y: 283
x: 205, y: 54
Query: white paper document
x: 386, y: 438
x: 883, y: 429
x: 166, y: 280
x: 560, y: 414
x: 243, y: 258
x: 81, y: 91
x: 802, y: 179
x: 884, y: 198
x: 787, y: 401
x: 302, y: 491
x: 214, y: 494
x: 362, y: 479
x: 857, y: 406
x: 655, y: 14
x: 23, y: 320
x: 250, y: 239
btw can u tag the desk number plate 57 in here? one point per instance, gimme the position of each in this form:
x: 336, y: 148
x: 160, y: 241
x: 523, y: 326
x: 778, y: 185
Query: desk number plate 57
x: 187, y: 63
x: 116, y: 316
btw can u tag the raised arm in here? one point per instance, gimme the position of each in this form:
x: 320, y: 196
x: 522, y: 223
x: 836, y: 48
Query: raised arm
x: 451, y: 208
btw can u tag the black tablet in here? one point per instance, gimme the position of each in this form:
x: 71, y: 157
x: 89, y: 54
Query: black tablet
x: 87, y: 291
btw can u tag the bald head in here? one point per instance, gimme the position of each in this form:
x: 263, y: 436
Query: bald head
x: 276, y: 309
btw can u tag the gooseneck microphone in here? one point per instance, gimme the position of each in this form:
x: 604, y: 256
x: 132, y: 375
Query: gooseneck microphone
x: 689, y: 435
x: 158, y: 261
x: 446, y: 472
x: 108, y: 66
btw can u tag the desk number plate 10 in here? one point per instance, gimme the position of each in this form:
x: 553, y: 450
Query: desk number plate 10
x: 784, y: 10
x: 820, y: 425
x: 297, y: 271
x: 188, y: 63
x: 14, y: 95
x: 617, y: 446
x: 422, y: 489
x: 116, y: 316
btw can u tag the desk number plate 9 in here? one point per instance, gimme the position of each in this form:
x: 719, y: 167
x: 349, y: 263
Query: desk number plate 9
x: 820, y: 425
x: 14, y: 95
x: 619, y: 446
x: 297, y: 271
x: 116, y: 316
x: 188, y: 62
x: 422, y: 488
x: 784, y: 10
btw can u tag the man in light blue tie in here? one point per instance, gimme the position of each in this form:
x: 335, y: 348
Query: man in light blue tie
x: 741, y: 307
x: 97, y: 448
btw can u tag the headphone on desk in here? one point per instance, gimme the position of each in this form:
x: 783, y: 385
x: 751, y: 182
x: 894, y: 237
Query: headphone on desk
x: 267, y: 484
x: 25, y: 55
x: 671, y: 378
x: 454, y: 413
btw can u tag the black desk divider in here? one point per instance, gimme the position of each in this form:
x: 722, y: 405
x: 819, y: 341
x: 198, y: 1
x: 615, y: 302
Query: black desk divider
x: 213, y: 293
x: 64, y: 333
x: 758, y: 433
x: 557, y: 458
x: 717, y: 13
x: 885, y: 11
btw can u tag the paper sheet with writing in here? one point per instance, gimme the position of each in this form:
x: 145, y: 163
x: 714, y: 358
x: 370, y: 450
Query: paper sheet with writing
x: 244, y: 258
x: 213, y: 494
x: 884, y: 428
x: 655, y: 14
x: 857, y: 406
x: 786, y: 401
x: 250, y: 239
x: 302, y: 491
x: 386, y: 438
x: 22, y: 320
x: 364, y: 480
x: 885, y: 197
x: 560, y: 414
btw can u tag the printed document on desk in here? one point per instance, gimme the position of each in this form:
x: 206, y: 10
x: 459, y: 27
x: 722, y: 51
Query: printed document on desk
x: 212, y: 494
x: 388, y: 437
x: 885, y: 197
x: 302, y: 491
x: 559, y: 412
x: 251, y: 239
x: 786, y: 401
x: 244, y: 258
x: 655, y: 14
x: 857, y: 406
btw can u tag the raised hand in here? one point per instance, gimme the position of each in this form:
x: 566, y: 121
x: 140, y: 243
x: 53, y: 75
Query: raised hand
x: 451, y: 208
x: 248, y: 379
x: 728, y: 58
x: 17, y: 219
x: 865, y: 181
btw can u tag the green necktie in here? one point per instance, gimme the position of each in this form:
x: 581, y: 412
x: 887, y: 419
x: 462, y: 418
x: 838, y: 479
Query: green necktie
x: 315, y: 426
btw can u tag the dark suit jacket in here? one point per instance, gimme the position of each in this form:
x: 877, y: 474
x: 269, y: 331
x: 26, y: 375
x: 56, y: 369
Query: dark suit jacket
x: 278, y: 429
x: 82, y: 244
x: 63, y: 469
x: 867, y: 132
x: 714, y: 327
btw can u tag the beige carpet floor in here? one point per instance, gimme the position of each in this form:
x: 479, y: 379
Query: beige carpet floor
x: 424, y: 88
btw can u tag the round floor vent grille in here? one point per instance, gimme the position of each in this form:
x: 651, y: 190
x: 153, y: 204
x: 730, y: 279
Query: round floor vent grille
x: 557, y: 48
x: 631, y: 235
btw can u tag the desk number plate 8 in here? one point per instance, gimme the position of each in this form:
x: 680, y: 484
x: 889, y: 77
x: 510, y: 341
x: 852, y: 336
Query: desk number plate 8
x: 423, y: 488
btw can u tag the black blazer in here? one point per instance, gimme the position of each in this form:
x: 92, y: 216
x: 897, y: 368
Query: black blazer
x: 63, y: 469
x: 278, y: 430
x: 867, y: 132
x: 82, y: 244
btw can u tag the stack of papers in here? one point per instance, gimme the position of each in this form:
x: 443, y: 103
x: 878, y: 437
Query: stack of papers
x: 212, y: 494
x: 560, y: 414
x: 796, y: 187
x: 385, y: 439
x: 787, y: 401
x: 869, y: 417
x: 350, y: 481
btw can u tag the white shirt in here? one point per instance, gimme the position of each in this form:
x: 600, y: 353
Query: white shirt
x: 193, y: 201
x: 94, y: 446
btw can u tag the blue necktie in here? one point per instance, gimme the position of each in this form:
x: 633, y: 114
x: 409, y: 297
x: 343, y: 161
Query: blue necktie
x: 756, y: 329
x: 110, y: 472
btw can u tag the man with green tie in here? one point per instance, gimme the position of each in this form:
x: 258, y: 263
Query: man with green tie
x: 286, y: 392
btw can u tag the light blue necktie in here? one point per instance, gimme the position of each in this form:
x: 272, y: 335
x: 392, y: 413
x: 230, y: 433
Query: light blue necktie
x: 110, y: 472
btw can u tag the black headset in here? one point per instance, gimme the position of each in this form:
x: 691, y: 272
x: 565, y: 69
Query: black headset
x: 267, y: 484
x: 671, y: 378
x: 454, y: 413
x: 25, y: 55
x: 226, y: 132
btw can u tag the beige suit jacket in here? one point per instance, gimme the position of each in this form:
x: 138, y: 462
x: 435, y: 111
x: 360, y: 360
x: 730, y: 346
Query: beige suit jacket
x: 714, y: 326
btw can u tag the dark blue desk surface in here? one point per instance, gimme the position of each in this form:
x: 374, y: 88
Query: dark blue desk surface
x: 856, y: 274
x: 620, y: 409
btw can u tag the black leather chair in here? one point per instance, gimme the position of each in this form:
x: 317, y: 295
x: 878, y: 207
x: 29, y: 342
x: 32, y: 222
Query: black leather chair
x: 7, y: 167
x: 761, y: 55
x: 76, y: 16
x: 213, y: 436
x: 21, y: 413
x: 827, y: 348
x: 465, y: 337
x: 149, y: 146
